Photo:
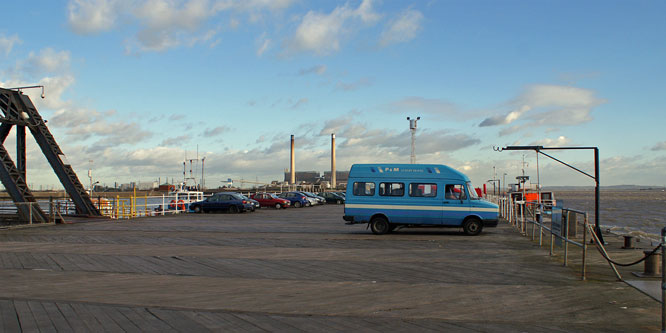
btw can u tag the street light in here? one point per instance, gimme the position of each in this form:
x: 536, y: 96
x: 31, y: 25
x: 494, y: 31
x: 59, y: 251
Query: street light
x: 412, y: 128
x: 539, y: 149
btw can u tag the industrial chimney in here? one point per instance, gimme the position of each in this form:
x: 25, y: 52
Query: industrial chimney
x: 292, y: 165
x: 333, y: 161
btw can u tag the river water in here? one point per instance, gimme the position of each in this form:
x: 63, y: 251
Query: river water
x: 625, y: 212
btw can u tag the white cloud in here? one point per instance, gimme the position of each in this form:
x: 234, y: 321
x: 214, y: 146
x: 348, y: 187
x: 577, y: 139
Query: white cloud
x: 165, y: 24
x: 547, y: 105
x: 48, y: 60
x: 402, y: 29
x: 508, y: 118
x: 366, y: 12
x: 322, y: 33
x: 265, y: 43
x: 7, y: 43
x: 92, y: 16
x: 560, y: 141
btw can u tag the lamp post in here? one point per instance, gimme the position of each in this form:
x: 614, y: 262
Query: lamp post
x: 503, y: 181
x: 539, y: 150
x: 412, y: 128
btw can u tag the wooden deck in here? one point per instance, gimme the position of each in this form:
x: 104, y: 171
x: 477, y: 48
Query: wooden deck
x: 299, y: 270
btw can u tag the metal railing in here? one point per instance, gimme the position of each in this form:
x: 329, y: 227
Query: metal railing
x: 520, y: 214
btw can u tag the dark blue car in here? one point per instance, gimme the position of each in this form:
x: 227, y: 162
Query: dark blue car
x: 225, y: 201
x: 297, y: 199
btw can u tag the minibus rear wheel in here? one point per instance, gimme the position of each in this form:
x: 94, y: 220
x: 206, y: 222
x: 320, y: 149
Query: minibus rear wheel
x: 379, y: 225
x: 472, y: 226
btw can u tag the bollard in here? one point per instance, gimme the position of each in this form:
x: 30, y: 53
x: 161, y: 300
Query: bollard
x: 628, y: 242
x: 652, y: 264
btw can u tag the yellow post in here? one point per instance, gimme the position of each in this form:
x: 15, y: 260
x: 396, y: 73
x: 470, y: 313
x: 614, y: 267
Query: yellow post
x: 117, y: 206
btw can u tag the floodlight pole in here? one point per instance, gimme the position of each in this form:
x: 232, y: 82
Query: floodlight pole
x: 539, y: 149
x: 412, y: 128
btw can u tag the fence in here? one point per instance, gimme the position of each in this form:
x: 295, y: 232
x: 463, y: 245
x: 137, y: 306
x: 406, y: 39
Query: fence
x: 562, y: 228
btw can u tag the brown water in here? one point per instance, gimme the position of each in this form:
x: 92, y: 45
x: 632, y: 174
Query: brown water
x: 638, y: 213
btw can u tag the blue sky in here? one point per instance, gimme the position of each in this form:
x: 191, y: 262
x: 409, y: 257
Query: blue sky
x: 137, y: 85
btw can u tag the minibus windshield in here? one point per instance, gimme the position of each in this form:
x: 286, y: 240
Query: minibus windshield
x: 472, y: 192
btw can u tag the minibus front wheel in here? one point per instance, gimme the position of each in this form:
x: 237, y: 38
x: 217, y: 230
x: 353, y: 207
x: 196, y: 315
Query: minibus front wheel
x: 472, y: 226
x: 379, y: 225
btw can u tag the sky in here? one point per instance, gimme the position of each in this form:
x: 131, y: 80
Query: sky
x: 135, y: 87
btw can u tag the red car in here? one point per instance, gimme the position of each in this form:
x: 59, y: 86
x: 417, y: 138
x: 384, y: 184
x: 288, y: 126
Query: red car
x: 271, y: 200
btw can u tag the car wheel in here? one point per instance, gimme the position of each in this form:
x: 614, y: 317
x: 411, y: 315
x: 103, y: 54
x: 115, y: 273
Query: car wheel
x: 297, y: 204
x: 379, y: 225
x: 472, y: 226
x: 233, y: 210
x: 278, y: 206
x: 197, y: 209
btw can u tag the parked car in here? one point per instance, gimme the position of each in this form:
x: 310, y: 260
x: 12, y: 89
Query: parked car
x: 271, y: 200
x: 297, y: 199
x: 318, y: 199
x: 332, y: 197
x: 223, y: 201
x: 255, y: 203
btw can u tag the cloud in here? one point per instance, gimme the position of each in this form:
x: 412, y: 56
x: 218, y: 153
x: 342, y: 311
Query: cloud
x: 165, y: 24
x: 505, y: 119
x: 403, y: 28
x: 319, y: 70
x: 299, y: 103
x: 212, y: 132
x: 335, y: 125
x: 362, y: 82
x: 48, y: 60
x: 322, y: 33
x: 177, y: 116
x: 265, y: 43
x: 547, y: 105
x: 560, y: 141
x: 176, y: 141
x: 92, y: 16
x: 659, y: 146
x: 87, y: 124
x: 7, y: 43
x: 358, y: 137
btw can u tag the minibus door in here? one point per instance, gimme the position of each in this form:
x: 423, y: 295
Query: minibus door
x: 454, y: 206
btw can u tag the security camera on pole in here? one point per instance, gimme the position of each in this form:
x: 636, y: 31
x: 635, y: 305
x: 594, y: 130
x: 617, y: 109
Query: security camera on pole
x: 412, y: 128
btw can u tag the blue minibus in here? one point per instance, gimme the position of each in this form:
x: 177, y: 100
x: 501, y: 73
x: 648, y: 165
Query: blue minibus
x: 387, y: 196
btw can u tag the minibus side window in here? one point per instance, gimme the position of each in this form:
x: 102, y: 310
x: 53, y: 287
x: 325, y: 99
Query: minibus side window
x: 364, y: 189
x: 392, y: 189
x: 455, y: 192
x: 422, y: 190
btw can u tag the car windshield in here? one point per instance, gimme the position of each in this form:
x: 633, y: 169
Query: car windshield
x: 273, y: 196
x: 472, y: 192
x: 237, y: 196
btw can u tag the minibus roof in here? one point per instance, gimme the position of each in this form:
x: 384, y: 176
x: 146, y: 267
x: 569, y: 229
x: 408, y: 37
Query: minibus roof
x: 407, y: 171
